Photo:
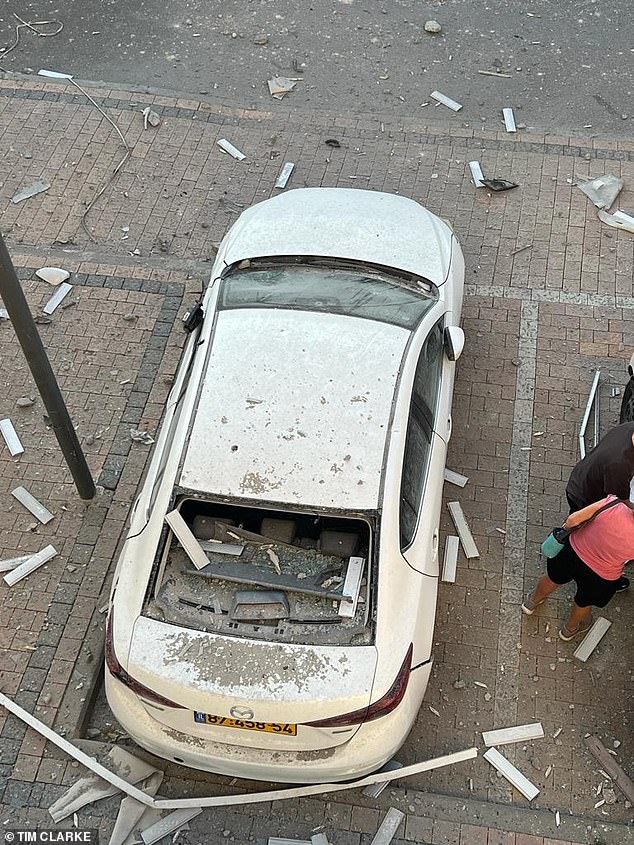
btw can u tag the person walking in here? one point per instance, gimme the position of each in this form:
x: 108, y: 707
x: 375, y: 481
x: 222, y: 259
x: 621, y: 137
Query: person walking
x: 600, y: 542
x: 608, y: 468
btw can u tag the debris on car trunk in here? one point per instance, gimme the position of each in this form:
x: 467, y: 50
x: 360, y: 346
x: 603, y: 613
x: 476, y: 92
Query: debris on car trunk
x: 30, y: 565
x: 60, y: 294
x: 592, y: 639
x: 52, y: 275
x: 188, y: 541
x: 280, y: 86
x: 31, y: 504
x: 37, y: 187
x: 519, y: 733
x: 450, y: 559
x: 10, y: 435
x: 509, y: 120
x: 285, y: 175
x: 150, y: 117
x: 499, y: 184
x: 512, y: 774
x: 464, y: 532
x: 602, y: 190
x: 388, y: 828
x: 445, y: 101
x: 228, y: 147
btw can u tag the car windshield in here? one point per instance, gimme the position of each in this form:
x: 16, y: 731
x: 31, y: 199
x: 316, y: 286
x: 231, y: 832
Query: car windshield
x: 353, y: 292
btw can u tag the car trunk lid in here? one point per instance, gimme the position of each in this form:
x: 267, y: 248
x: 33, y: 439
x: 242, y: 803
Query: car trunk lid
x: 251, y: 681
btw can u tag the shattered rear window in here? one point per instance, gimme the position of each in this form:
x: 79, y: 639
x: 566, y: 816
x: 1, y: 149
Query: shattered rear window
x: 351, y: 292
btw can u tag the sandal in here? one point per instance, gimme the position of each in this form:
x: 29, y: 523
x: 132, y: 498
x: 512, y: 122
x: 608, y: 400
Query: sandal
x: 566, y: 634
x: 529, y: 605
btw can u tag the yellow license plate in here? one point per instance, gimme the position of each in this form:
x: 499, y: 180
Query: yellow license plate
x: 245, y: 724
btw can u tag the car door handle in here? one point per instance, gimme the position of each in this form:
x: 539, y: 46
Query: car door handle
x: 449, y: 426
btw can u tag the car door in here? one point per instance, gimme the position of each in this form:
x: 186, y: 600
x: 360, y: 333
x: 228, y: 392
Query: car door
x: 424, y: 456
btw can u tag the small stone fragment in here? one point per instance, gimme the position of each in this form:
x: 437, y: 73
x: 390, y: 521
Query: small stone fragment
x: 25, y: 401
x: 433, y: 26
x: 459, y: 684
x: 261, y: 40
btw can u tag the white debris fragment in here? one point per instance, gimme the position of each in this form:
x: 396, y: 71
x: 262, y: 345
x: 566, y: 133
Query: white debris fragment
x: 445, y: 101
x: 274, y: 560
x: 434, y: 711
x: 557, y: 732
x: 228, y: 147
x: 60, y: 294
x: 285, y: 174
x: 433, y: 26
x: 141, y: 437
x: 509, y: 120
x: 11, y: 438
x: 150, y: 117
x: 280, y: 86
x: 557, y: 818
x: 52, y: 275
x: 31, y: 190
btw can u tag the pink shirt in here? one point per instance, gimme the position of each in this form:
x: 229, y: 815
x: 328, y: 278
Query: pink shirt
x: 606, y: 543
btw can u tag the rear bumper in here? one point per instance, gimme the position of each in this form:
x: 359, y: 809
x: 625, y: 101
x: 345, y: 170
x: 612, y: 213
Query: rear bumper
x: 370, y: 747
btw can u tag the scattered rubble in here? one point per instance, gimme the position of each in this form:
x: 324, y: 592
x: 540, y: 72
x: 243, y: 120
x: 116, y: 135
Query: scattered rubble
x: 280, y: 86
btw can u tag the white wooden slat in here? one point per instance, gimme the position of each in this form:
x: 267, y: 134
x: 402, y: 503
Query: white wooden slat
x: 60, y: 294
x: 11, y: 438
x: 390, y: 824
x: 31, y: 504
x: 169, y: 824
x: 513, y: 775
x: 351, y: 587
x: 30, y: 565
x: 592, y: 639
x: 11, y: 563
x: 193, y: 549
x: 450, y: 560
x: 455, y: 478
x: 462, y: 527
x: 519, y: 733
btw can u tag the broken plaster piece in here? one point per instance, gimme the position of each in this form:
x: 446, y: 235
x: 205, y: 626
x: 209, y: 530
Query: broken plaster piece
x: 616, y: 222
x: 280, y: 86
x: 89, y: 789
x: 32, y: 563
x: 168, y: 825
x: 131, y: 811
x: 52, y: 275
x: 31, y: 190
x: 603, y: 190
x: 151, y: 117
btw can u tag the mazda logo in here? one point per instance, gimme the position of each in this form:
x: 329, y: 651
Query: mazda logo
x: 241, y: 713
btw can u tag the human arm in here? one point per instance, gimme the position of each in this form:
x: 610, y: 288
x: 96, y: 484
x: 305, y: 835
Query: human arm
x: 579, y: 517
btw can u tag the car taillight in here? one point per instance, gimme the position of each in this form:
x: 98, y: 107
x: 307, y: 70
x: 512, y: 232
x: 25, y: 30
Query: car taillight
x: 382, y: 707
x: 118, y: 672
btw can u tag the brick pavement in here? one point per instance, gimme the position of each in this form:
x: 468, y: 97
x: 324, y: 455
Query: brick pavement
x: 538, y: 323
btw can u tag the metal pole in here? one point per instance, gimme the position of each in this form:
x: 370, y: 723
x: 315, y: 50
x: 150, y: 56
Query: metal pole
x: 43, y: 375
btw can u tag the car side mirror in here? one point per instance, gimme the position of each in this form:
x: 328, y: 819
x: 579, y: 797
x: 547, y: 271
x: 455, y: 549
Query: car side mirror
x: 454, y: 342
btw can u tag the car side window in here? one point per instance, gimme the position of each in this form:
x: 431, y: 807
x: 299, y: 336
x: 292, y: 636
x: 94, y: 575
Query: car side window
x: 419, y: 432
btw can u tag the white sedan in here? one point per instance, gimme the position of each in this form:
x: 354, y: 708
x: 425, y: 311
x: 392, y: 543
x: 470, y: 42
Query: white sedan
x: 273, y: 607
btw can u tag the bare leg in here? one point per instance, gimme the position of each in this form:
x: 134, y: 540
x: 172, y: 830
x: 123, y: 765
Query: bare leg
x: 543, y: 588
x: 579, y: 616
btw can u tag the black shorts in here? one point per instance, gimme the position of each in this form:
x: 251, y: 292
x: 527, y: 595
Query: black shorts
x: 591, y: 588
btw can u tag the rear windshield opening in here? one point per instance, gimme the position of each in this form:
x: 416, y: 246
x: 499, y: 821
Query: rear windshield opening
x: 273, y: 575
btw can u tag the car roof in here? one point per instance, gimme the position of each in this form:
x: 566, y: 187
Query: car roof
x: 294, y: 408
x: 369, y: 226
